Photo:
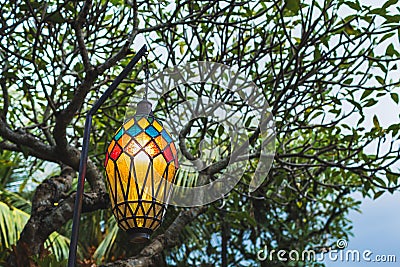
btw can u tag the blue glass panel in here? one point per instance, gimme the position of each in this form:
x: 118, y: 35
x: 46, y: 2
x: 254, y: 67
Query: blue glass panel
x: 152, y: 131
x: 134, y: 130
x: 119, y: 134
x: 166, y: 136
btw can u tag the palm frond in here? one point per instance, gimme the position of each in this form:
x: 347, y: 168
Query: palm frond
x: 58, y: 245
x: 105, y: 247
x: 12, y: 222
x: 15, y: 200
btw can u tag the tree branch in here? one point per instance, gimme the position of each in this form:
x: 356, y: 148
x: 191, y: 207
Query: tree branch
x: 51, y: 209
x: 147, y: 257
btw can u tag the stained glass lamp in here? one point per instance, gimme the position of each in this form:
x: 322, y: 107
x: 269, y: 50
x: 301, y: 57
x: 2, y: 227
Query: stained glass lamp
x: 140, y: 161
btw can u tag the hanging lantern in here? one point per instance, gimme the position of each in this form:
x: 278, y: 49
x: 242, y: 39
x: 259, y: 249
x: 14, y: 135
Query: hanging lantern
x: 140, y: 159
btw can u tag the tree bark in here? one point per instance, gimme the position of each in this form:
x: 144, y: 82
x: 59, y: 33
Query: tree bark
x: 51, y: 209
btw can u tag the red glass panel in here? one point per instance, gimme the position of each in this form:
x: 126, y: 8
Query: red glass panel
x: 116, y: 152
x: 168, y: 154
x: 106, y: 161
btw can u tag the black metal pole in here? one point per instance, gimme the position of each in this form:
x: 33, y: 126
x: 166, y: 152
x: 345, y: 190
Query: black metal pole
x: 84, y: 155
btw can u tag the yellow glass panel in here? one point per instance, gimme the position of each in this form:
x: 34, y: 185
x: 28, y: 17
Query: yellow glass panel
x: 140, y: 222
x: 161, y: 142
x: 131, y: 223
x: 141, y: 164
x: 110, y: 170
x: 123, y: 164
x: 132, y: 195
x: 159, y: 165
x: 143, y: 123
x: 146, y: 206
x: 152, y: 224
x: 125, y: 225
x: 111, y: 199
x: 157, y: 126
x: 142, y: 139
x: 130, y: 213
x: 117, y: 130
x: 151, y: 213
x: 129, y: 123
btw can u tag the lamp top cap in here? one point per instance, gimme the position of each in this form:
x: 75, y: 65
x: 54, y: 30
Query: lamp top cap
x: 144, y: 108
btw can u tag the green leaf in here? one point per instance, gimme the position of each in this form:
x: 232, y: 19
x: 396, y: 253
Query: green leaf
x: 380, y: 80
x: 390, y: 51
x: 378, y: 11
x: 378, y: 194
x: 354, y: 5
x: 387, y: 36
x: 182, y: 47
x: 392, y: 19
x: 376, y: 122
x: 389, y: 3
x: 366, y: 93
x: 395, y: 97
x: 348, y: 81
x: 317, y: 54
x: 350, y: 29
x: 56, y: 18
x: 293, y: 5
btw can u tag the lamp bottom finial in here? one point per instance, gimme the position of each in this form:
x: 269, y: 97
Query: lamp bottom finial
x: 139, y: 235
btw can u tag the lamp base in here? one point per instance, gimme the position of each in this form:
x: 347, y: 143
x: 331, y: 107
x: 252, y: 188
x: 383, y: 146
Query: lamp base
x: 139, y: 235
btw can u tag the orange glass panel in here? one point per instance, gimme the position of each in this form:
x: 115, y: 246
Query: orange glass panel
x: 171, y: 172
x: 132, y: 148
x: 111, y: 146
x: 124, y: 140
x: 152, y: 149
x: 161, y: 142
x: 173, y: 149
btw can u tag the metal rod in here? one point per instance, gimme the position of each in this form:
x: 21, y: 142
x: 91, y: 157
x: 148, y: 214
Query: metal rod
x: 147, y: 72
x: 84, y: 155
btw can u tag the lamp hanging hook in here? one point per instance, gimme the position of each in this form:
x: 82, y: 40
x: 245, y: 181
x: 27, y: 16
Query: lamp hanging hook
x: 147, y: 75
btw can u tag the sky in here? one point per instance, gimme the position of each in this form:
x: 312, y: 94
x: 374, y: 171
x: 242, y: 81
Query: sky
x: 376, y: 229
